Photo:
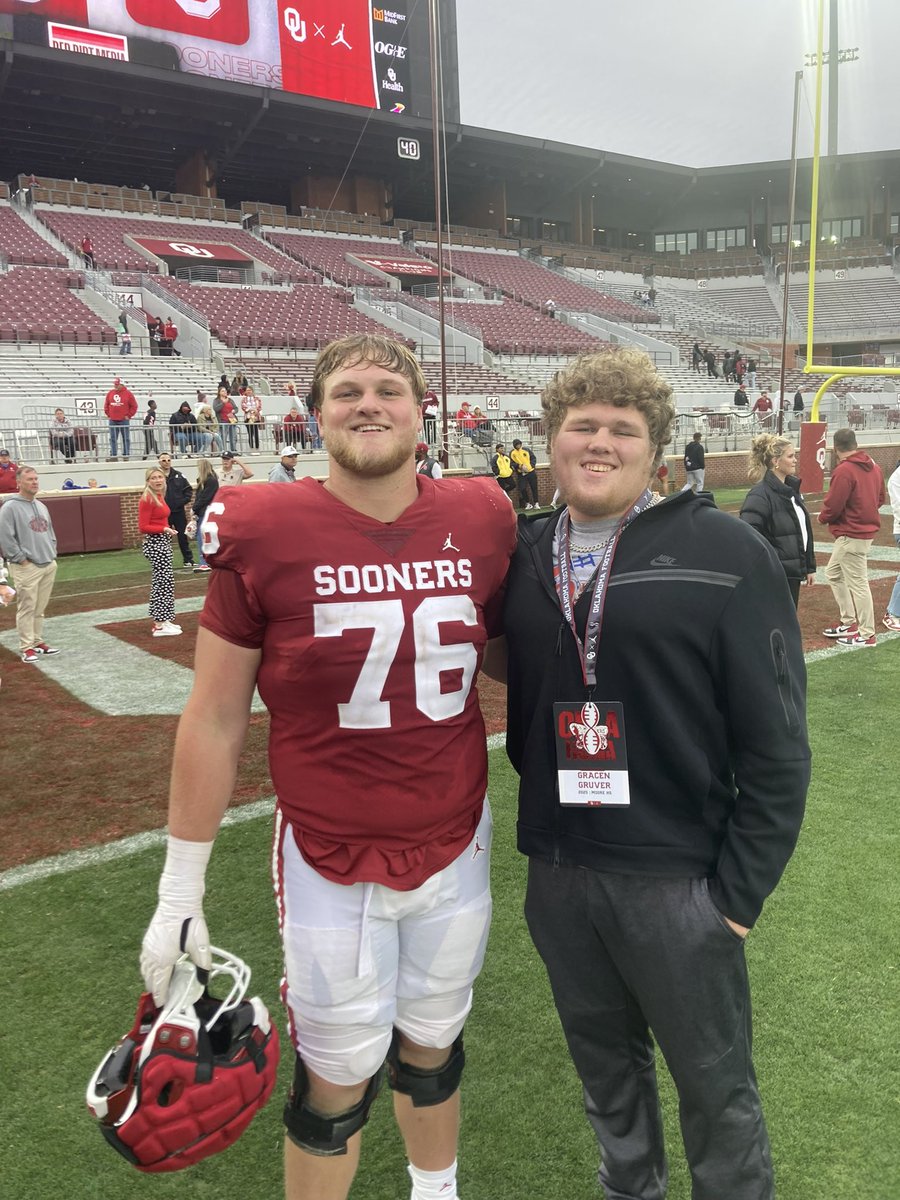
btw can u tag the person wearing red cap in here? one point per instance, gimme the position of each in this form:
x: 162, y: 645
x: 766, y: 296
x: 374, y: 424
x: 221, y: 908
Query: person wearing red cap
x: 464, y: 419
x: 120, y: 406
x: 425, y: 464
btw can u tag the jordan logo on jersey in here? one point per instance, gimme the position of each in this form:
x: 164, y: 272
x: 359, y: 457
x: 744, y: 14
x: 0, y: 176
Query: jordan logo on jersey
x: 448, y: 545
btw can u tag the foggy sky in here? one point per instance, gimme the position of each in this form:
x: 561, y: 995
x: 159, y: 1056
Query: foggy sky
x: 695, y: 82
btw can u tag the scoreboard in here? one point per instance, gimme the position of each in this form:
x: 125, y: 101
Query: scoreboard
x: 358, y: 52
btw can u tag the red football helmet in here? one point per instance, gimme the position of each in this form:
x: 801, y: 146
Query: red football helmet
x: 188, y: 1078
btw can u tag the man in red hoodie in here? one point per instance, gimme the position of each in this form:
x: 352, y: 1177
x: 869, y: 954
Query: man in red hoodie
x: 120, y: 406
x: 850, y: 511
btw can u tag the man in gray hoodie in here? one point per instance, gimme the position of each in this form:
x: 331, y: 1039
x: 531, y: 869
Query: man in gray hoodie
x: 28, y: 543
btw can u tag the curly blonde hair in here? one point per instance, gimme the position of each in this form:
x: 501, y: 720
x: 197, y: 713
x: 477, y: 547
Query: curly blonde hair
x: 624, y: 378
x: 765, y: 450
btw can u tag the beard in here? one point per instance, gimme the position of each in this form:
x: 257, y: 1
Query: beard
x: 374, y: 462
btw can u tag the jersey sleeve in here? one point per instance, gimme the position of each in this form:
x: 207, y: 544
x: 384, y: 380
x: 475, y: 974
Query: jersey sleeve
x: 232, y: 530
x: 231, y: 612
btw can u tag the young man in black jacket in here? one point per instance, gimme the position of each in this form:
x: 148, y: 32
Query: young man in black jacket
x: 179, y: 494
x: 657, y: 722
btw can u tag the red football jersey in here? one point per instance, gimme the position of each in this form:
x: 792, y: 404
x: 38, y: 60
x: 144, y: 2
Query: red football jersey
x: 371, y: 639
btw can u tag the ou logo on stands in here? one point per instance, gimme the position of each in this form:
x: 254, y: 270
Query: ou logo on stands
x: 390, y: 49
x: 185, y: 248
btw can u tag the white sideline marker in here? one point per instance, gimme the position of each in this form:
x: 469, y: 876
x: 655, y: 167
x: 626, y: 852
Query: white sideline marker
x: 74, y: 860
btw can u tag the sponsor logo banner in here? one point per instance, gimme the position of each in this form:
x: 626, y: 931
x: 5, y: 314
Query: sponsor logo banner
x: 87, y: 41
x: 197, y: 251
x: 399, y: 266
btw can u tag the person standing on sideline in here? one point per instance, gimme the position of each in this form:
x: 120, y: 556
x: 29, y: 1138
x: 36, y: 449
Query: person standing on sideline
x: 120, y: 406
x: 226, y: 413
x: 694, y: 464
x: 650, y: 862
x: 251, y: 406
x: 28, y: 543
x: 425, y: 464
x: 501, y: 469
x: 207, y: 486
x: 774, y: 507
x: 431, y: 408
x: 741, y: 399
x: 8, y: 469
x: 850, y: 510
x: 153, y: 523
x: 233, y: 470
x: 178, y: 495
x: 150, y: 446
x: 384, y: 901
x: 284, y: 471
x: 892, y: 616
x: 523, y: 464
x: 764, y: 408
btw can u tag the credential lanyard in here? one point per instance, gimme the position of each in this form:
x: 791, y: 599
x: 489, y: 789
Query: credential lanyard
x: 587, y: 651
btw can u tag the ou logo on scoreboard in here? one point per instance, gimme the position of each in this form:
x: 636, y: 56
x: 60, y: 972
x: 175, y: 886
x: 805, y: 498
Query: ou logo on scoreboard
x: 186, y: 248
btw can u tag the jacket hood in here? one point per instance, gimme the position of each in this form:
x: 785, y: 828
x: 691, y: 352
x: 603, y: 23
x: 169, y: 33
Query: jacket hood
x: 859, y: 459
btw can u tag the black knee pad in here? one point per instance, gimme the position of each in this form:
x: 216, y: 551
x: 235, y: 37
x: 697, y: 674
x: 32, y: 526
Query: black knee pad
x: 426, y: 1087
x: 317, y: 1134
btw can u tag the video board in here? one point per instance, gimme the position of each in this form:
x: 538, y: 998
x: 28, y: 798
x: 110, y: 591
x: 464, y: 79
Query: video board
x: 358, y: 52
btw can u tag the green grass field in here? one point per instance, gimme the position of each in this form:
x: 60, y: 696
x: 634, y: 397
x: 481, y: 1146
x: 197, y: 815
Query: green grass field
x: 823, y: 961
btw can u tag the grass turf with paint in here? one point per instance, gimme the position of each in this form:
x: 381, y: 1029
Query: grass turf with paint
x: 822, y: 958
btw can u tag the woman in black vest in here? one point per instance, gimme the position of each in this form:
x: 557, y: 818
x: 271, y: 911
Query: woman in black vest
x: 775, y: 508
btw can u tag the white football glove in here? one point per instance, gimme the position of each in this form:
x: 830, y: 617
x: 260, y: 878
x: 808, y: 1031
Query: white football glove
x: 178, y: 925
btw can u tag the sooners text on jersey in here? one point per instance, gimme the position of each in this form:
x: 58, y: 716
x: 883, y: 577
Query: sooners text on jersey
x: 371, y: 638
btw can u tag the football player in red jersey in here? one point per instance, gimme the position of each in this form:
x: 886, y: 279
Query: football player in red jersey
x: 364, y: 634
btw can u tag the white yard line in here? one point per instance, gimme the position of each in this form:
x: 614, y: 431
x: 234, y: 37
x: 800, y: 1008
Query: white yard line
x: 75, y: 860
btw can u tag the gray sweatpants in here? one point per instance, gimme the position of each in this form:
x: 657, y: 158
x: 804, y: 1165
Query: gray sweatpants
x: 627, y: 954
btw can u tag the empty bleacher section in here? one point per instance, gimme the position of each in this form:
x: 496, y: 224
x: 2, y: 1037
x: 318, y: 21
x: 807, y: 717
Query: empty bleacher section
x: 532, y: 284
x: 507, y: 327
x: 463, y: 379
x: 20, y: 244
x: 330, y: 255
x: 38, y: 304
x: 708, y: 264
x: 110, y: 198
x: 304, y: 317
x: 851, y: 303
x: 852, y: 252
x: 750, y: 303
x: 112, y: 253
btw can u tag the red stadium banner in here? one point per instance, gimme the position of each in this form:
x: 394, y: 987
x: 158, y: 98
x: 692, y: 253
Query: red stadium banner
x: 398, y: 266
x: 194, y: 251
x: 326, y: 50
x: 811, y: 459
x: 87, y: 41
x: 54, y: 10
x: 213, y: 20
